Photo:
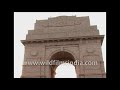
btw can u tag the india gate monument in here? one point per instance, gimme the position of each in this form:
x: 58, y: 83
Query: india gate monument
x: 63, y: 38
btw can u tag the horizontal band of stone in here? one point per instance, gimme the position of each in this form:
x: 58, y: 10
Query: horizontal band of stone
x: 93, y: 74
x: 33, y: 76
x: 64, y: 39
x: 80, y: 75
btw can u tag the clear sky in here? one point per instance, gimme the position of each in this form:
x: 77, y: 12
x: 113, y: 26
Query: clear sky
x: 24, y: 21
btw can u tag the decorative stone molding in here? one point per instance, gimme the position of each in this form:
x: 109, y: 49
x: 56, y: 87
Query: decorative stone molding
x: 100, y: 37
x: 61, y: 21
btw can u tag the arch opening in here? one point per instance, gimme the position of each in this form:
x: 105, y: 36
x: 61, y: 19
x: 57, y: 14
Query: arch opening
x: 65, y: 70
x: 63, y: 58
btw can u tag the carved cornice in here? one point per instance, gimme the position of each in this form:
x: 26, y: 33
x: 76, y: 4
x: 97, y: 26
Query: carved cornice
x: 100, y: 37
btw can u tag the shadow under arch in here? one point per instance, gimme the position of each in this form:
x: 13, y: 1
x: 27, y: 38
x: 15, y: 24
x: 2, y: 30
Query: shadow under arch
x: 60, y: 56
x: 65, y: 50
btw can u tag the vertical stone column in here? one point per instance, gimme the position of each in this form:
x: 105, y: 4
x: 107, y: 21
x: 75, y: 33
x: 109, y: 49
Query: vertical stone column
x: 77, y: 70
x: 81, y: 68
x: 42, y: 67
x: 102, y: 69
x: 42, y: 71
x: 47, y: 71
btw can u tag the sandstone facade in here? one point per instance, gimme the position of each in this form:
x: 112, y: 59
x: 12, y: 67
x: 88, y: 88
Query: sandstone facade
x: 63, y: 38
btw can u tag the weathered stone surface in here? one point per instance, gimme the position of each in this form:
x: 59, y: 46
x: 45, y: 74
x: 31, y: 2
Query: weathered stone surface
x: 63, y: 26
x: 70, y: 35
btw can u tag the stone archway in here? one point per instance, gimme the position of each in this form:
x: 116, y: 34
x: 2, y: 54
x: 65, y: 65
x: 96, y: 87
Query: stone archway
x: 63, y: 38
x: 59, y: 57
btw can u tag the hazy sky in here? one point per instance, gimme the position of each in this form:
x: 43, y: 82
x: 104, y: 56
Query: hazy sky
x: 24, y: 21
